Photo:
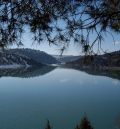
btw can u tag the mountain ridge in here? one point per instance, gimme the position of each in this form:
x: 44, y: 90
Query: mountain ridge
x: 98, y: 61
x: 16, y: 58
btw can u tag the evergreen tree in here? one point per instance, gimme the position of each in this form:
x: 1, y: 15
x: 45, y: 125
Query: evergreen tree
x: 59, y: 21
x: 84, y: 124
x: 48, y: 126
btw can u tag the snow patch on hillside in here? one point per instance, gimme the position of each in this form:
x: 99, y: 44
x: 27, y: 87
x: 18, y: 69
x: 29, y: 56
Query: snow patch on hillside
x: 12, y: 66
x: 12, y: 60
x: 36, y: 55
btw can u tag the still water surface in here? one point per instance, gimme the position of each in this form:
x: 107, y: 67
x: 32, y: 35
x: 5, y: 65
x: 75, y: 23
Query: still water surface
x: 61, y: 95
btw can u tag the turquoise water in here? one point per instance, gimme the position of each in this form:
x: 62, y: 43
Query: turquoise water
x: 61, y: 95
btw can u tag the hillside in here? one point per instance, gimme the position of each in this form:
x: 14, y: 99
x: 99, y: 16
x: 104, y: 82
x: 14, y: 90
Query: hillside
x: 98, y: 61
x: 10, y: 60
x: 17, y: 58
x: 36, y: 55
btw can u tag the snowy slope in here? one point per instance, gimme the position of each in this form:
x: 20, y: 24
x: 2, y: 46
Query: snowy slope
x: 36, y: 55
x: 10, y: 60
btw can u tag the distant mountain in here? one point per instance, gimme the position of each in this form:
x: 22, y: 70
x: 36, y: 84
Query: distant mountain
x: 36, y: 55
x: 98, y: 61
x: 66, y: 58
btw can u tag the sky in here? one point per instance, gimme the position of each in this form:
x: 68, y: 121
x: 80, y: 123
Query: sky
x: 74, y: 49
x: 108, y: 45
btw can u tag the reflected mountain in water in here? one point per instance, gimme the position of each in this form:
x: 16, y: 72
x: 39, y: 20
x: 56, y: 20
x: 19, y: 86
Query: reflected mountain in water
x: 42, y: 70
x: 112, y: 74
x: 26, y: 72
x: 115, y: 74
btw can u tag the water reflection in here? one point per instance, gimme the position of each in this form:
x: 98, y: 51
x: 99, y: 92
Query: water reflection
x: 39, y: 71
x: 26, y: 72
x: 62, y: 96
x: 115, y: 74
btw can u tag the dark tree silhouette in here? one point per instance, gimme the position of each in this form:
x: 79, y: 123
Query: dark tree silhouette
x: 48, y: 126
x: 59, y: 21
x: 84, y: 124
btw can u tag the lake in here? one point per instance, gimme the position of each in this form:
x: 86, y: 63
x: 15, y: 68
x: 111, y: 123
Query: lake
x: 29, y: 97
